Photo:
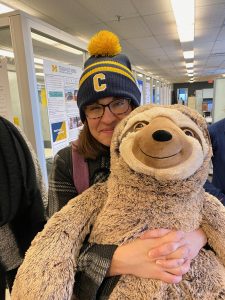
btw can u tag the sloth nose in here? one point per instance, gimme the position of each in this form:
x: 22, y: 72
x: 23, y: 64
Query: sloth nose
x: 162, y: 136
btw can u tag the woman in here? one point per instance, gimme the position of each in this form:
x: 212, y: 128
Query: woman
x: 107, y: 94
x: 21, y: 202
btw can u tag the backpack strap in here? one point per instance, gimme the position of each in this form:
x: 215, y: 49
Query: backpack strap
x: 80, y: 170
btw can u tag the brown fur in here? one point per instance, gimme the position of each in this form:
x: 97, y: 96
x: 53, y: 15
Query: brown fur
x: 133, y: 202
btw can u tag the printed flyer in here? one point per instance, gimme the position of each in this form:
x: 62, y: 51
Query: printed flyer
x: 61, y: 83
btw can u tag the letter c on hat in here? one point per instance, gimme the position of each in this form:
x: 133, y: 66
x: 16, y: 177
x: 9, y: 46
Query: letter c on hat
x: 98, y: 86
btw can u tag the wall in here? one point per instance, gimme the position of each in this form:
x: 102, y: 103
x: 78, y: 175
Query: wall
x: 192, y: 87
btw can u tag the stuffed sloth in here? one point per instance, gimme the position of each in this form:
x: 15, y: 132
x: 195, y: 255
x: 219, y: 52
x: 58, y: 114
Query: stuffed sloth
x: 159, y: 163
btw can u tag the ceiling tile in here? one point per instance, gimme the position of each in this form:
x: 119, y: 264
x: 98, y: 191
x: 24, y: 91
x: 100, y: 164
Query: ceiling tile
x: 146, y: 7
x: 110, y: 10
x: 144, y: 43
x: 129, y: 28
x: 161, y: 23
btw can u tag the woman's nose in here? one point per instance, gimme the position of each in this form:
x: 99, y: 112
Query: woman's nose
x: 108, y: 116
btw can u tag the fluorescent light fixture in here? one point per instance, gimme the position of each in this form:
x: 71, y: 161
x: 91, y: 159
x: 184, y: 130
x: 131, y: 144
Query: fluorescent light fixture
x: 147, y: 78
x: 139, y: 67
x: 184, y: 13
x: 140, y: 75
x: 188, y: 54
x: 10, y: 54
x: 190, y: 70
x: 38, y: 61
x: 39, y: 67
x: 190, y: 74
x: 53, y: 43
x: 189, y: 65
x: 5, y: 9
x: 69, y: 49
x: 40, y: 74
x: 6, y: 53
x: 42, y: 39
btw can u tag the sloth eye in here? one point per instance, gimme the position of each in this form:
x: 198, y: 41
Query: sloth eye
x: 140, y: 125
x: 188, y: 132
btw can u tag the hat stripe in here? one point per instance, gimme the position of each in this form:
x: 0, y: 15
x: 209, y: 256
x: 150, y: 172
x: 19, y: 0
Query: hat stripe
x: 107, y: 69
x: 109, y: 62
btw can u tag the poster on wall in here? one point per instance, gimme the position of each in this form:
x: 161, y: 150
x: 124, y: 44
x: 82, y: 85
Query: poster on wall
x: 61, y: 83
x: 140, y: 86
x: 5, y: 100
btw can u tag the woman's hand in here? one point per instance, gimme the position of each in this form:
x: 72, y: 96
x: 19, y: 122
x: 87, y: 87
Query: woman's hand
x: 158, y: 254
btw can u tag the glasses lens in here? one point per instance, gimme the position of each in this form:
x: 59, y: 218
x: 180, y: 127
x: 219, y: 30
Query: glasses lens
x: 119, y: 106
x: 94, y: 111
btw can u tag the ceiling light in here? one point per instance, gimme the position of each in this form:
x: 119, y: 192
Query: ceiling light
x: 140, y: 75
x: 38, y: 61
x: 39, y: 67
x: 147, y: 78
x: 190, y: 70
x: 188, y: 54
x: 189, y: 65
x: 53, y: 43
x: 139, y: 67
x: 185, y: 23
x: 40, y: 74
x: 6, y: 53
x: 69, y: 49
x: 10, y: 54
x: 42, y: 39
x: 5, y: 9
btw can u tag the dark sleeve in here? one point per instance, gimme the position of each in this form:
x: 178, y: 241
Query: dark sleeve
x: 94, y: 260
x: 211, y: 189
x: 93, y: 264
x: 61, y: 186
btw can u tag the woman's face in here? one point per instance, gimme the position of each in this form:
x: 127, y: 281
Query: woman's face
x: 102, y: 128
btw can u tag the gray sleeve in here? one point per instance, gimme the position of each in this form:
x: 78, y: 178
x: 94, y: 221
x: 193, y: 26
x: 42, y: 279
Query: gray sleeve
x: 61, y: 186
x: 93, y: 264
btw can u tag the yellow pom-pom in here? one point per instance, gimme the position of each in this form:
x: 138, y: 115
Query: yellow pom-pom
x: 104, y: 43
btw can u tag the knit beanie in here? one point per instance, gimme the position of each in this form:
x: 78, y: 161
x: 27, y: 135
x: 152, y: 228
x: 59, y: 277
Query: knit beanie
x: 107, y: 73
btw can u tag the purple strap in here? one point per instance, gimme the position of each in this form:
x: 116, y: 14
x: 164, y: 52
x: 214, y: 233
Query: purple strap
x: 80, y: 170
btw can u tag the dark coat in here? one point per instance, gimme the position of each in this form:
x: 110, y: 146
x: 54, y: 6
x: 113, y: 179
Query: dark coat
x: 21, y: 200
x: 217, y: 135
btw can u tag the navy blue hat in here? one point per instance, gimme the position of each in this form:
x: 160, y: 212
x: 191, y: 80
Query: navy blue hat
x: 107, y: 73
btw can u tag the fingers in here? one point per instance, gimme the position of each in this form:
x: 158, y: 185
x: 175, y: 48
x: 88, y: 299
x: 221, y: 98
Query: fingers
x: 154, y: 233
x: 170, y: 263
x: 181, y: 270
x: 166, y: 251
x: 181, y: 252
x: 173, y: 275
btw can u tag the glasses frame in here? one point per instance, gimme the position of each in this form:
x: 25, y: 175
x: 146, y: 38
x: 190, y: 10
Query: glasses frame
x: 108, y: 105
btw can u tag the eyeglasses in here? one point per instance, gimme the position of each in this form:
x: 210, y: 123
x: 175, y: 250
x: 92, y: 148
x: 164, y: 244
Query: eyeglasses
x: 117, y: 107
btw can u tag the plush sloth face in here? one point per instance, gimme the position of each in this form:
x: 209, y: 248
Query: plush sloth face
x: 162, y: 142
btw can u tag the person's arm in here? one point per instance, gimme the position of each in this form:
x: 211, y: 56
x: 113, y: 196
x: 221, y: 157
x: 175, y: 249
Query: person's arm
x: 61, y: 186
x: 158, y: 254
x: 93, y: 264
